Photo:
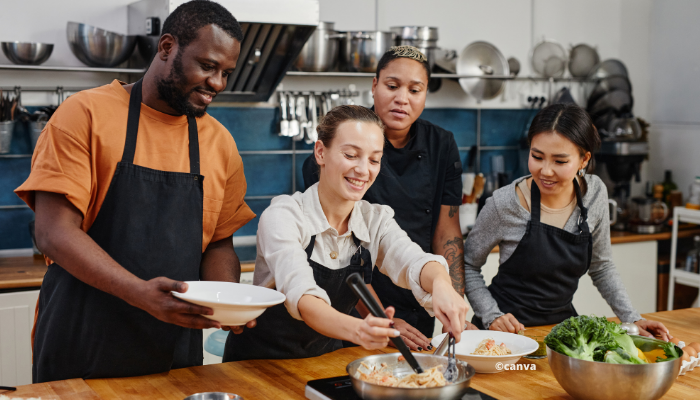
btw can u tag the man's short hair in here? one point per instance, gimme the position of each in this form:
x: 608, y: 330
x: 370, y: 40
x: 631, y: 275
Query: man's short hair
x: 185, y: 21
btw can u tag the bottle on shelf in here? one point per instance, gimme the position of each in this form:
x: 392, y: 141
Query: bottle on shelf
x: 694, y: 199
x: 669, y: 185
x: 692, y: 260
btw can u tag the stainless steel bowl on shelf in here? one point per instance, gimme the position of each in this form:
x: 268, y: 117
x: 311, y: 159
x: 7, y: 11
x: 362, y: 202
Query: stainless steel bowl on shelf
x: 27, y: 53
x: 593, y: 380
x: 97, y: 47
x: 370, y: 391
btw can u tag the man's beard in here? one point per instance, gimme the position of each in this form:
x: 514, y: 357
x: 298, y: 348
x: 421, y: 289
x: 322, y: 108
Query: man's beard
x: 169, y: 91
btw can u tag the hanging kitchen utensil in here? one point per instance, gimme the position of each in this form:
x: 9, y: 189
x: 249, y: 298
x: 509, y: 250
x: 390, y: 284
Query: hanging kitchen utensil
x: 294, y: 127
x: 582, y: 59
x: 609, y: 67
x: 358, y: 286
x: 609, y: 84
x: 311, y: 124
x: 301, y: 117
x: 327, y: 104
x: 513, y: 66
x: 284, y: 122
x: 548, y: 59
x: 314, y: 118
x: 617, y: 101
x: 482, y: 58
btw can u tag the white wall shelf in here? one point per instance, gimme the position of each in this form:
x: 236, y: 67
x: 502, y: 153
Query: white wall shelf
x: 70, y: 69
x: 692, y: 279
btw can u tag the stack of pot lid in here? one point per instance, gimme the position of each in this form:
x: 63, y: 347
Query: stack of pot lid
x: 422, y: 37
x: 482, y: 58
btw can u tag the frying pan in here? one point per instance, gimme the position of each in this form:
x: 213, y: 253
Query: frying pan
x: 609, y: 84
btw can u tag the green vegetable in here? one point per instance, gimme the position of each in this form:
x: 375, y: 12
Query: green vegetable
x: 670, y: 350
x: 583, y: 337
x: 625, y: 342
x: 620, y: 356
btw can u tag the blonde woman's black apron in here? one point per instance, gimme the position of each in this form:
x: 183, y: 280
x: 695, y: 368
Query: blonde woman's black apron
x: 278, y: 335
x: 537, y: 283
x: 151, y: 224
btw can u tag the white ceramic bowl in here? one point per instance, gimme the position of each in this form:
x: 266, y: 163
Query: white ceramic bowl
x: 519, y: 346
x: 233, y: 303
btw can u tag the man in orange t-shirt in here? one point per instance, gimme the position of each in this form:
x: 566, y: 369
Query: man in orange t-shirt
x: 136, y: 190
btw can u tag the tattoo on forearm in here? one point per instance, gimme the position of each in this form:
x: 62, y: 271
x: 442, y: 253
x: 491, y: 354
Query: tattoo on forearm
x: 453, y: 251
x: 453, y: 211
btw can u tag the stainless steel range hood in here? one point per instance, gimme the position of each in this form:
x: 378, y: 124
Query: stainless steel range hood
x: 274, y: 33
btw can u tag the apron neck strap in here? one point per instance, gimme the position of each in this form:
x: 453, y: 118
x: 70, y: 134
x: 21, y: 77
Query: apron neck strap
x: 535, y: 201
x: 132, y: 129
x: 310, y: 248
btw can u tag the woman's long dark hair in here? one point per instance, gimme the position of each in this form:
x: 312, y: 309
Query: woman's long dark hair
x: 570, y: 121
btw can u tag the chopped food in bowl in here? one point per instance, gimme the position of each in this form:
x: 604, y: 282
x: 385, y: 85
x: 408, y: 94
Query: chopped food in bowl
x: 491, y: 348
x: 234, y: 304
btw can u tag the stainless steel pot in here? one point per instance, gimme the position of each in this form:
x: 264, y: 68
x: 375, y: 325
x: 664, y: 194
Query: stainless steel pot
x: 370, y: 391
x: 320, y: 53
x: 360, y: 51
x: 423, y: 37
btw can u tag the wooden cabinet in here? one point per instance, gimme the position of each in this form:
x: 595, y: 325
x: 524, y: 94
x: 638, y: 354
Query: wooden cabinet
x: 16, y: 320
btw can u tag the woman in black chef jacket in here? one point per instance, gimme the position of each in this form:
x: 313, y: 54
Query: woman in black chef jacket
x: 309, y: 243
x: 420, y: 179
x: 551, y: 228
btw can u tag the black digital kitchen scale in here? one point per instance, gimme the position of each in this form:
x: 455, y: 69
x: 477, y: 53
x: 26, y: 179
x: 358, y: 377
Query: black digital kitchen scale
x: 340, y: 388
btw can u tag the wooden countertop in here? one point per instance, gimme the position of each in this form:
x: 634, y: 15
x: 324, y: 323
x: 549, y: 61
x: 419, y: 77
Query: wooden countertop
x: 286, y: 379
x: 28, y: 272
x: 21, y: 272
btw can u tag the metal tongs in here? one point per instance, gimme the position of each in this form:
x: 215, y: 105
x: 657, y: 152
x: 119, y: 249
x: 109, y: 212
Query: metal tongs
x: 451, y: 372
x: 357, y: 284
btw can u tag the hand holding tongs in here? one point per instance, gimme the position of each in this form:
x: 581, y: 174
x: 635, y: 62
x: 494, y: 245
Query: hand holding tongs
x: 357, y: 284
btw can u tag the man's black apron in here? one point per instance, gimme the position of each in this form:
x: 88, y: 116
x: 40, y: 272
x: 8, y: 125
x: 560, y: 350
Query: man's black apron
x: 278, y: 335
x: 151, y: 224
x: 537, y: 283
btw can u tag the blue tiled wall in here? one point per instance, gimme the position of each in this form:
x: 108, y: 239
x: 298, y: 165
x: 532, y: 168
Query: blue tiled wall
x: 255, y: 129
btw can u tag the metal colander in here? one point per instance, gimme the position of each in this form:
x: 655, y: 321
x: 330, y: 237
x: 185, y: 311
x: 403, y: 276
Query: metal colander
x: 549, y: 59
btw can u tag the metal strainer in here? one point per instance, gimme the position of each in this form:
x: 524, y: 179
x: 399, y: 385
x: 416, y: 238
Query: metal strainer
x: 548, y: 59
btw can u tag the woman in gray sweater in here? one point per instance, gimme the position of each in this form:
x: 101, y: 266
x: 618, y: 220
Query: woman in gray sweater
x: 551, y: 228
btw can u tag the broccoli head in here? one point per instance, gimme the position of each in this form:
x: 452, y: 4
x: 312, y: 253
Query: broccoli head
x: 583, y: 337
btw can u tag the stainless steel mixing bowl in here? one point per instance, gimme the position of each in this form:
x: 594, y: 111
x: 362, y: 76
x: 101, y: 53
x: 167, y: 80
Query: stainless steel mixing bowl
x: 27, y: 53
x: 97, y: 47
x: 592, y: 380
x: 214, y: 396
x: 370, y: 391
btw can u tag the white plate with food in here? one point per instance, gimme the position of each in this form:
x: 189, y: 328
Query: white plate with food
x: 234, y: 304
x: 493, y: 349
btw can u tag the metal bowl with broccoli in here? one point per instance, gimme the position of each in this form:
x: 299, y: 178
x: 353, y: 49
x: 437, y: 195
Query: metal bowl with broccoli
x: 593, y: 358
